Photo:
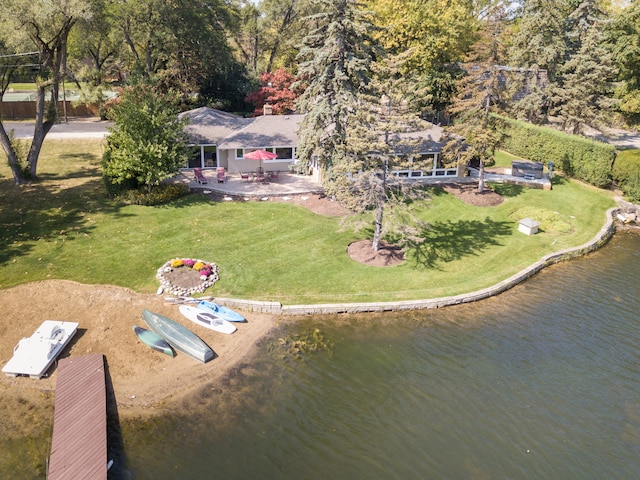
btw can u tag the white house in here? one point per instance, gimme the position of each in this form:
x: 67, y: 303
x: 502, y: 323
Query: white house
x: 221, y: 139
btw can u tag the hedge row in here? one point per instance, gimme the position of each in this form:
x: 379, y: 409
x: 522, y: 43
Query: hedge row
x: 578, y: 157
x: 626, y: 171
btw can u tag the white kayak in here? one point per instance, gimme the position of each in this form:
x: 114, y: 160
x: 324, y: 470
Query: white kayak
x: 207, y: 319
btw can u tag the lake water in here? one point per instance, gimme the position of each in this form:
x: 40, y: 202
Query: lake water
x: 541, y: 382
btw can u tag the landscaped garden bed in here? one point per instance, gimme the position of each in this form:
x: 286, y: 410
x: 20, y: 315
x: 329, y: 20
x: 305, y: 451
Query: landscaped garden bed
x: 186, y: 276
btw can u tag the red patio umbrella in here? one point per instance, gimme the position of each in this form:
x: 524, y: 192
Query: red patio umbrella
x: 260, y: 155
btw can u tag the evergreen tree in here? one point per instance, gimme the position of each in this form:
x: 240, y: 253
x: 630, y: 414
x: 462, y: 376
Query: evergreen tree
x: 539, y: 38
x: 354, y: 138
x: 579, y: 23
x: 583, y: 92
x: 538, y: 48
x: 623, y: 36
x: 335, y: 60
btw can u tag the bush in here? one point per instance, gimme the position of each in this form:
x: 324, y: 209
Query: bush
x: 626, y: 171
x: 147, y: 143
x: 577, y: 157
x: 118, y: 189
x: 158, y: 195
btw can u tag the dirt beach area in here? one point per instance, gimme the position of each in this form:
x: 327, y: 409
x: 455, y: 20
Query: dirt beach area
x: 142, y: 378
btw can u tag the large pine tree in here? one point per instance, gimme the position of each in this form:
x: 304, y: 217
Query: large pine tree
x: 582, y: 93
x: 334, y: 68
x: 539, y: 38
x: 346, y: 128
x: 623, y: 35
x: 538, y: 46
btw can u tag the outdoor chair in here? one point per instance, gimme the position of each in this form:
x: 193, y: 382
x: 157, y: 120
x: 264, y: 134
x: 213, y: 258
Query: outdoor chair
x: 220, y: 175
x: 198, y: 176
x: 244, y: 177
x: 274, y: 175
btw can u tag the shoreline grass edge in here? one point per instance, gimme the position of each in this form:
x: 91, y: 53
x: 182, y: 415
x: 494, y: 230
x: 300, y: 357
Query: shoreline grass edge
x: 277, y: 308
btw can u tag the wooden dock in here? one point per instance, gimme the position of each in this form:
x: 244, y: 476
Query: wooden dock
x: 79, y: 443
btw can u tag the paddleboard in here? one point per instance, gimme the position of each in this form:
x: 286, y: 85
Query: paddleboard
x: 207, y: 319
x: 153, y: 340
x: 221, y: 311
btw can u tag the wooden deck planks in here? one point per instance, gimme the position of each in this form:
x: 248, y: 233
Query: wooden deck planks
x: 79, y: 442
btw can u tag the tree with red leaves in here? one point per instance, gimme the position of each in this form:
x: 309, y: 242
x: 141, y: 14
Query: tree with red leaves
x: 276, y: 90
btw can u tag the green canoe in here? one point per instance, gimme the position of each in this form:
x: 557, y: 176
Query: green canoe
x: 153, y: 340
x: 178, y: 336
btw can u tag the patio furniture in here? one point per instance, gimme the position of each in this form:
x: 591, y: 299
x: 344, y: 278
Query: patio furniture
x: 274, y: 175
x: 198, y: 176
x: 244, y: 177
x: 220, y: 175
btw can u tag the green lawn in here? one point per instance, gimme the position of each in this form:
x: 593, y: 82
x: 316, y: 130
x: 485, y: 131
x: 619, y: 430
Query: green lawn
x: 64, y: 227
x: 503, y: 159
x: 22, y: 87
x: 32, y: 87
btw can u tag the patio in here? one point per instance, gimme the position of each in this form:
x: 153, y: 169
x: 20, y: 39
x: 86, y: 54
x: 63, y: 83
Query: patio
x: 286, y: 184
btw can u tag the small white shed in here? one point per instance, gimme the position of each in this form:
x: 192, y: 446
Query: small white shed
x: 528, y: 226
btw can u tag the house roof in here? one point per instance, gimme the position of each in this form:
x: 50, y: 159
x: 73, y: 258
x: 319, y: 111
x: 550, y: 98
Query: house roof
x: 229, y: 131
x: 430, y: 138
x: 265, y: 131
x: 208, y: 125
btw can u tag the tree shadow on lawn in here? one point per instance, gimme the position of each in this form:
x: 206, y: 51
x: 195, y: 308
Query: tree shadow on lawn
x: 91, y: 171
x: 447, y: 241
x: 185, y: 201
x: 507, y: 189
x: 47, y: 211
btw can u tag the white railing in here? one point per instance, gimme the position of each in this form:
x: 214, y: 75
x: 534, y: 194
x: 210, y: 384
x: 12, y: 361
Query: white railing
x: 420, y: 174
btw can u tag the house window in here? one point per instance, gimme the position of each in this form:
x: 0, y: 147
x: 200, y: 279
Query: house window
x: 210, y: 157
x: 195, y: 158
x: 284, y: 153
x: 202, y: 156
x: 239, y: 153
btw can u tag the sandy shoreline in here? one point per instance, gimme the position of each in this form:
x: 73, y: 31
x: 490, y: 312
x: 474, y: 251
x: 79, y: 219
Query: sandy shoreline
x: 143, y: 379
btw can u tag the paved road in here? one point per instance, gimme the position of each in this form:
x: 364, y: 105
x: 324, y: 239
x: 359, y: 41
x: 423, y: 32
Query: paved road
x: 76, y: 128
x: 622, y: 139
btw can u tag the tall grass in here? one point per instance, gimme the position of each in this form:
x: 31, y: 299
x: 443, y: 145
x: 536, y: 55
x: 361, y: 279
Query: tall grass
x: 65, y: 227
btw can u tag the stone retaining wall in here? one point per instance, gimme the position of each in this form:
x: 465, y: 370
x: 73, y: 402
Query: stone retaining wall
x: 276, y: 308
